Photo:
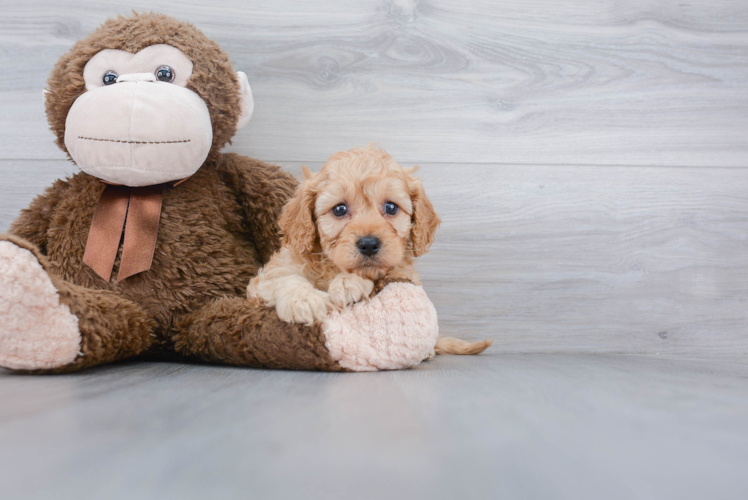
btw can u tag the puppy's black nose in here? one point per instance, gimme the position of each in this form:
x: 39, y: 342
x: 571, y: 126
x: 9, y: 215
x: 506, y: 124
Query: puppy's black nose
x: 369, y: 245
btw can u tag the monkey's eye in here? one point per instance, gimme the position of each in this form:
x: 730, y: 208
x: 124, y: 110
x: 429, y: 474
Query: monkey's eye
x: 390, y: 208
x: 165, y: 74
x: 340, y: 210
x: 110, y: 77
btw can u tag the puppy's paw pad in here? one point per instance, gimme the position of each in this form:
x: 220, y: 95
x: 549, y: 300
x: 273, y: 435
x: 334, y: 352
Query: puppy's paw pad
x: 36, y: 331
x: 348, y: 289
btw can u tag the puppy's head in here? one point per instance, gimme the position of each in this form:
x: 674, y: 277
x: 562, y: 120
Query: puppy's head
x: 363, y: 211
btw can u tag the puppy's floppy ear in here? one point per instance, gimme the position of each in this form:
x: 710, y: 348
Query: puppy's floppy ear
x: 308, y: 174
x: 425, y: 220
x: 297, y: 221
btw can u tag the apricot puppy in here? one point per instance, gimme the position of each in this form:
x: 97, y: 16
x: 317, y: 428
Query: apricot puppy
x: 362, y: 219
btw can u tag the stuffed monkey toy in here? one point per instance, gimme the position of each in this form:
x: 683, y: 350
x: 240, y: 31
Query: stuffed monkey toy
x: 149, y: 249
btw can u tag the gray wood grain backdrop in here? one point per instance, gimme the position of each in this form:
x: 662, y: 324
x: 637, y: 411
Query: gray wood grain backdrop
x: 589, y: 159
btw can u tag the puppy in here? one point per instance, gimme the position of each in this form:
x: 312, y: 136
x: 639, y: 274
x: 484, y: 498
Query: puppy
x: 348, y: 231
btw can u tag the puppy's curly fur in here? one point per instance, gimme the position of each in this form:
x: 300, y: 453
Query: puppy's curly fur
x: 353, y: 227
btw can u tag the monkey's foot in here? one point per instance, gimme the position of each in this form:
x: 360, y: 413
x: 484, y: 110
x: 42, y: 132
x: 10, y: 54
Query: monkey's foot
x: 395, y: 329
x: 36, y: 330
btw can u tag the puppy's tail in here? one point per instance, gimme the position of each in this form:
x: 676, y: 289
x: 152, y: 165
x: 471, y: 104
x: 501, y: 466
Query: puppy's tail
x: 451, y: 345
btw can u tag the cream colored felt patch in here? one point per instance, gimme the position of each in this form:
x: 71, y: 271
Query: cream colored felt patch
x: 36, y: 331
x: 139, y: 133
x: 395, y: 329
x: 248, y: 101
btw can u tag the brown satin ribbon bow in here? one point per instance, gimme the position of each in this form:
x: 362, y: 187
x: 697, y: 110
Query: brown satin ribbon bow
x: 140, y: 207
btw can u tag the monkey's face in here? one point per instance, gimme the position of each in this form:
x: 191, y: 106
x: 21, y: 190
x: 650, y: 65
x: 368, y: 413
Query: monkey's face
x: 137, y: 124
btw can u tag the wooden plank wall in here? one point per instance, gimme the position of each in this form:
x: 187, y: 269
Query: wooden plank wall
x: 588, y: 158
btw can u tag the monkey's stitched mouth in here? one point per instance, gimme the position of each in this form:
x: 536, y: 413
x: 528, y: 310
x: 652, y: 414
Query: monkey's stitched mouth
x: 131, y: 142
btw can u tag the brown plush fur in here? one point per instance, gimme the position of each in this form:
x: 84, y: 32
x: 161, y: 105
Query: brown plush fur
x: 236, y: 331
x: 217, y: 229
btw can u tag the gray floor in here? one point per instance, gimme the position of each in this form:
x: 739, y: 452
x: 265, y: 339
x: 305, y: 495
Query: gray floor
x: 493, y: 426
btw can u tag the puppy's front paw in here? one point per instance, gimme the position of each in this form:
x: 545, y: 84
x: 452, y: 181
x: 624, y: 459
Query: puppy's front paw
x: 348, y: 288
x: 303, y: 305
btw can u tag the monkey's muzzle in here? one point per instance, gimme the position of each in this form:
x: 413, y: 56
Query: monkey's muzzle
x: 139, y: 133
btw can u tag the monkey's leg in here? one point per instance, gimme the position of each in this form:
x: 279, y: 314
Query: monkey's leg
x: 50, y: 325
x: 395, y: 329
x: 240, y: 331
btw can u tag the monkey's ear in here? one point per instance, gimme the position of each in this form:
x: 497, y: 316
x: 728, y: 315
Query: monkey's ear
x: 248, y: 102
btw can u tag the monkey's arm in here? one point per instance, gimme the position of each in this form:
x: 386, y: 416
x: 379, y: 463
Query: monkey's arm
x: 33, y: 222
x: 262, y: 190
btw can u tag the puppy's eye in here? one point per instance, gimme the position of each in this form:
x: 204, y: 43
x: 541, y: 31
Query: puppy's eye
x: 109, y: 77
x: 390, y: 208
x: 340, y: 210
x: 165, y: 74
